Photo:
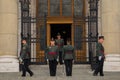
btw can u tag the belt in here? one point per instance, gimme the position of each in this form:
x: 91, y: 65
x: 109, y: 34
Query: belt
x: 52, y: 53
x: 59, y: 45
x: 102, y: 52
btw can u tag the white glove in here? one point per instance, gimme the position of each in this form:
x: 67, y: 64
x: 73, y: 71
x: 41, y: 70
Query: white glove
x: 20, y: 59
x: 47, y: 61
x: 63, y: 61
x: 57, y: 60
x: 99, y: 58
x: 73, y: 61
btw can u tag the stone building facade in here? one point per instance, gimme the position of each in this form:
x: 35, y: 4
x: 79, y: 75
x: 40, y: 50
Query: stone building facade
x: 108, y: 25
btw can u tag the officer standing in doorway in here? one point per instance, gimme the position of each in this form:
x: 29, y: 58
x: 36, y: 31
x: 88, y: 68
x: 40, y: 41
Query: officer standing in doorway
x: 68, y: 57
x: 25, y: 58
x: 60, y: 43
x: 100, y: 57
x: 52, y: 57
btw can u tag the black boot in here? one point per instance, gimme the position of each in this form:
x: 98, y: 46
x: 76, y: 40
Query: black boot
x: 101, y: 74
x: 31, y: 74
x: 23, y: 75
x: 94, y: 74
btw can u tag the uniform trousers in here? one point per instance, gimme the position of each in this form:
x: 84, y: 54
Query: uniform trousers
x: 99, y: 68
x: 25, y: 67
x: 60, y: 57
x: 52, y: 67
x: 68, y: 67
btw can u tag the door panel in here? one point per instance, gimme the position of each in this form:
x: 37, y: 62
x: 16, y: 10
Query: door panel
x: 79, y: 44
x: 41, y: 38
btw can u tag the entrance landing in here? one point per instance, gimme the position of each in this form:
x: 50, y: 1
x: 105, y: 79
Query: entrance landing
x: 41, y: 72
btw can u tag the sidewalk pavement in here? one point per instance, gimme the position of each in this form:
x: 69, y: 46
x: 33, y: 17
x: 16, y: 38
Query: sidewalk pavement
x: 41, y: 72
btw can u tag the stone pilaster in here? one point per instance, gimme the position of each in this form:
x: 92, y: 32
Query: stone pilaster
x: 111, y: 31
x: 8, y: 35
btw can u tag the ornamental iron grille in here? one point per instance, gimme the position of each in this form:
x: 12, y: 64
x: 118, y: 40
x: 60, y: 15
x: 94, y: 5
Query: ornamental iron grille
x: 34, y: 34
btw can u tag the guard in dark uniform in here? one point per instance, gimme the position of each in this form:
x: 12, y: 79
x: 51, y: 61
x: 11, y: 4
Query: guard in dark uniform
x: 25, y: 58
x: 100, y: 57
x: 52, y: 57
x: 68, y: 57
x: 60, y: 43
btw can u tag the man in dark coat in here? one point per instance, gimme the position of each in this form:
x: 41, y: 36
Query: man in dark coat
x: 100, y: 57
x: 24, y: 58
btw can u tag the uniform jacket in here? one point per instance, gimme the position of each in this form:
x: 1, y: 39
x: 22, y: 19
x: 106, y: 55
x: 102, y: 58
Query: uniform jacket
x: 60, y: 44
x: 25, y: 52
x: 68, y: 52
x: 99, y: 50
x: 51, y: 52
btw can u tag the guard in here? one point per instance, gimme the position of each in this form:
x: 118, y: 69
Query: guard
x: 68, y: 57
x: 25, y: 58
x: 52, y: 57
x: 100, y: 57
x: 60, y: 43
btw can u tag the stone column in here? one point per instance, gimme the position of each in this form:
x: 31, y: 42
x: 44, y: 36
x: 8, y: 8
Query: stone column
x: 8, y: 35
x: 111, y: 31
